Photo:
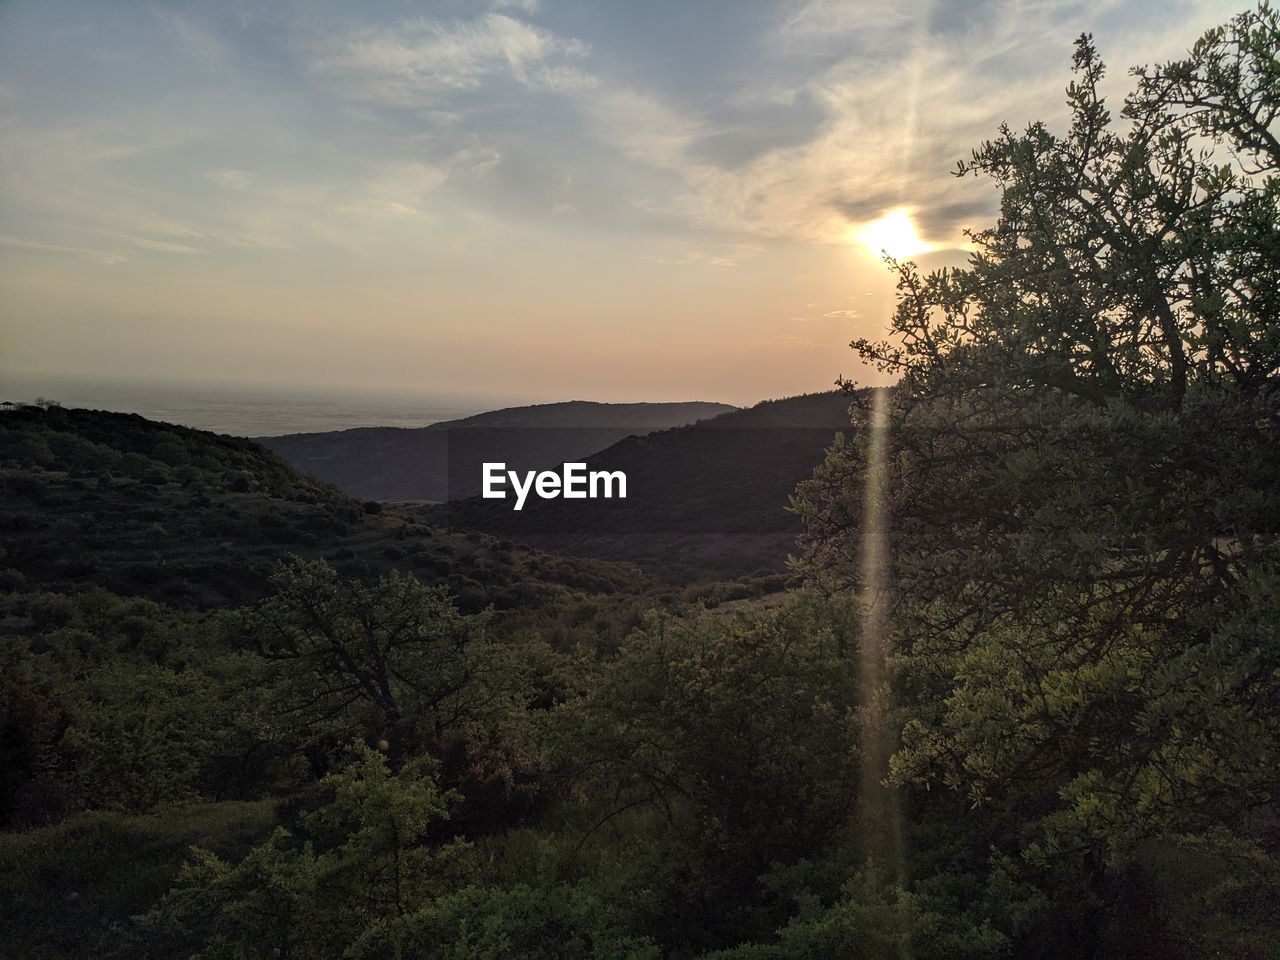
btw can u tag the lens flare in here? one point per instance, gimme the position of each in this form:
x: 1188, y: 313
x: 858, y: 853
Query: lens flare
x: 881, y: 815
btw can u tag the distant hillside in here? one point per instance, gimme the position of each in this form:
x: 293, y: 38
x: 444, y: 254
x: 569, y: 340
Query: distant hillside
x: 705, y: 500
x: 389, y: 463
x: 196, y: 519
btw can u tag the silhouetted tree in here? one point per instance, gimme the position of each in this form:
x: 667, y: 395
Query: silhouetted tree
x: 1086, y: 517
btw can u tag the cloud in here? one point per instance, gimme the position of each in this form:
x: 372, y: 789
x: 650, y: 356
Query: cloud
x: 642, y: 127
x: 828, y: 113
x: 829, y: 315
x: 690, y: 253
x: 22, y: 246
x: 107, y: 141
x: 79, y: 184
x: 474, y: 161
x: 162, y: 246
x: 800, y: 155
x: 884, y: 143
x: 752, y: 125
x: 230, y: 179
x: 562, y: 79
x: 418, y: 61
x: 525, y: 6
x: 899, y: 94
x: 197, y: 41
x: 833, y: 22
x: 169, y: 235
x: 398, y: 190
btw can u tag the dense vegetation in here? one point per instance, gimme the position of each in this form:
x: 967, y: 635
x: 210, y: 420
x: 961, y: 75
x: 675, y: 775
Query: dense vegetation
x: 1086, y: 510
x: 344, y: 760
x: 197, y: 520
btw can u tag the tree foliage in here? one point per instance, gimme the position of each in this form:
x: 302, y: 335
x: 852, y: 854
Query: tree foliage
x: 394, y: 657
x: 341, y: 888
x: 1083, y: 479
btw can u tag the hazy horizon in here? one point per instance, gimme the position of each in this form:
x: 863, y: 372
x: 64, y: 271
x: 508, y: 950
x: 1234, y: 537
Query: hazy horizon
x: 26, y: 385
x: 549, y: 200
x: 273, y: 409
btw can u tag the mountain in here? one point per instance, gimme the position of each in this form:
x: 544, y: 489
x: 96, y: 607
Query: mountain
x: 196, y: 520
x: 395, y: 463
x: 704, y: 501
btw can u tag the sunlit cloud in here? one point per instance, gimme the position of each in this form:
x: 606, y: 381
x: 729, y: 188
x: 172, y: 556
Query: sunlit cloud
x: 913, y: 91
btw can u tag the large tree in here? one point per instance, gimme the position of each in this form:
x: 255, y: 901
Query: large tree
x: 1083, y: 478
x: 390, y: 660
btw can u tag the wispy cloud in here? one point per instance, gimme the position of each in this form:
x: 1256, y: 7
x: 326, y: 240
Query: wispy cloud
x: 230, y: 179
x: 196, y: 40
x: 642, y: 127
x: 413, y: 62
x: 526, y: 6
x: 705, y: 254
x: 21, y: 246
x: 398, y: 191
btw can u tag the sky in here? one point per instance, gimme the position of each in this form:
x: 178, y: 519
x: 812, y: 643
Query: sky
x: 551, y: 199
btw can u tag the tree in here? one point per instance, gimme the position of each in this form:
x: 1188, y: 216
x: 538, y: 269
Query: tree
x: 342, y: 886
x: 1086, y: 521
x: 39, y: 755
x: 391, y: 660
x: 365, y: 876
x: 735, y: 735
x: 1127, y: 264
x: 395, y: 663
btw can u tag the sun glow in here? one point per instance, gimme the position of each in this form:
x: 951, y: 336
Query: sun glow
x: 894, y: 235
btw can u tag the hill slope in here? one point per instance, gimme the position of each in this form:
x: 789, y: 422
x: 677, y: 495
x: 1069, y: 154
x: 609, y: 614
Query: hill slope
x: 196, y: 519
x: 704, y: 500
x: 391, y: 463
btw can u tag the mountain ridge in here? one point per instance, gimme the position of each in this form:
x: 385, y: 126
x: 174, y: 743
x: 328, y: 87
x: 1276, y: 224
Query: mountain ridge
x: 411, y: 463
x: 705, y: 500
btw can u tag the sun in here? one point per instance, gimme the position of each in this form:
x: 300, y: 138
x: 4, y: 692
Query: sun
x: 894, y: 235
